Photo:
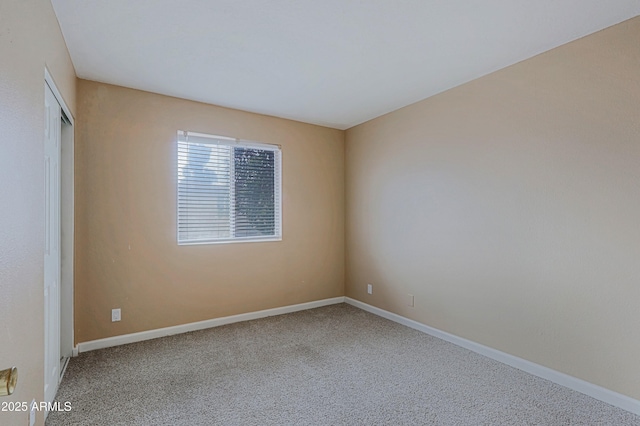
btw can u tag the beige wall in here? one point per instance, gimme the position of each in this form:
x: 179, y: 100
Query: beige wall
x: 29, y: 39
x: 126, y: 251
x: 509, y: 207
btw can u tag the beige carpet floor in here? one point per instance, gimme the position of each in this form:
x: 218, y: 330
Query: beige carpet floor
x: 335, y: 365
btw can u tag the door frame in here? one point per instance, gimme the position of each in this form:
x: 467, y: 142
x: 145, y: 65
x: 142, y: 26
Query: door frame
x: 66, y: 223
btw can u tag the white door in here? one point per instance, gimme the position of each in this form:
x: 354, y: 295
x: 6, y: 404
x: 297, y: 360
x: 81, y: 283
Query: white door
x: 52, y: 150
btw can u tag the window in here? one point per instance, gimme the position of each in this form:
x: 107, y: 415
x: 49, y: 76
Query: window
x: 228, y: 190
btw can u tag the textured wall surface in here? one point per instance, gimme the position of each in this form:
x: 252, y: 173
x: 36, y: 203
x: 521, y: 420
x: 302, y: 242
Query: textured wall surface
x: 29, y: 39
x: 509, y: 207
x: 126, y: 251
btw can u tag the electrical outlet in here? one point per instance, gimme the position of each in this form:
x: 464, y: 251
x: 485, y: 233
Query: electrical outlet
x: 115, y: 315
x: 410, y: 300
x: 32, y: 413
x: 370, y: 288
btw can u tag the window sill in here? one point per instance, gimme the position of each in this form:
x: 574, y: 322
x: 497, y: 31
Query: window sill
x: 229, y: 241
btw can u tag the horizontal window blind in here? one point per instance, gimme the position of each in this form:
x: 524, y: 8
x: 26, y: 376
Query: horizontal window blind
x: 228, y: 190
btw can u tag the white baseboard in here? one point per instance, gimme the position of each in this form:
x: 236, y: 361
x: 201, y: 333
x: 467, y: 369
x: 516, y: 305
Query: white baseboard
x: 215, y: 322
x: 594, y: 391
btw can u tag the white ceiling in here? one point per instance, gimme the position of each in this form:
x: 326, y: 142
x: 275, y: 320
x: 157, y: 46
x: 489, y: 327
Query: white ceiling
x: 336, y: 63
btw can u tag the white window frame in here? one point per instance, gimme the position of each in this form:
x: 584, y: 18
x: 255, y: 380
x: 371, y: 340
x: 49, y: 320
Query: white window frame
x: 277, y: 196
